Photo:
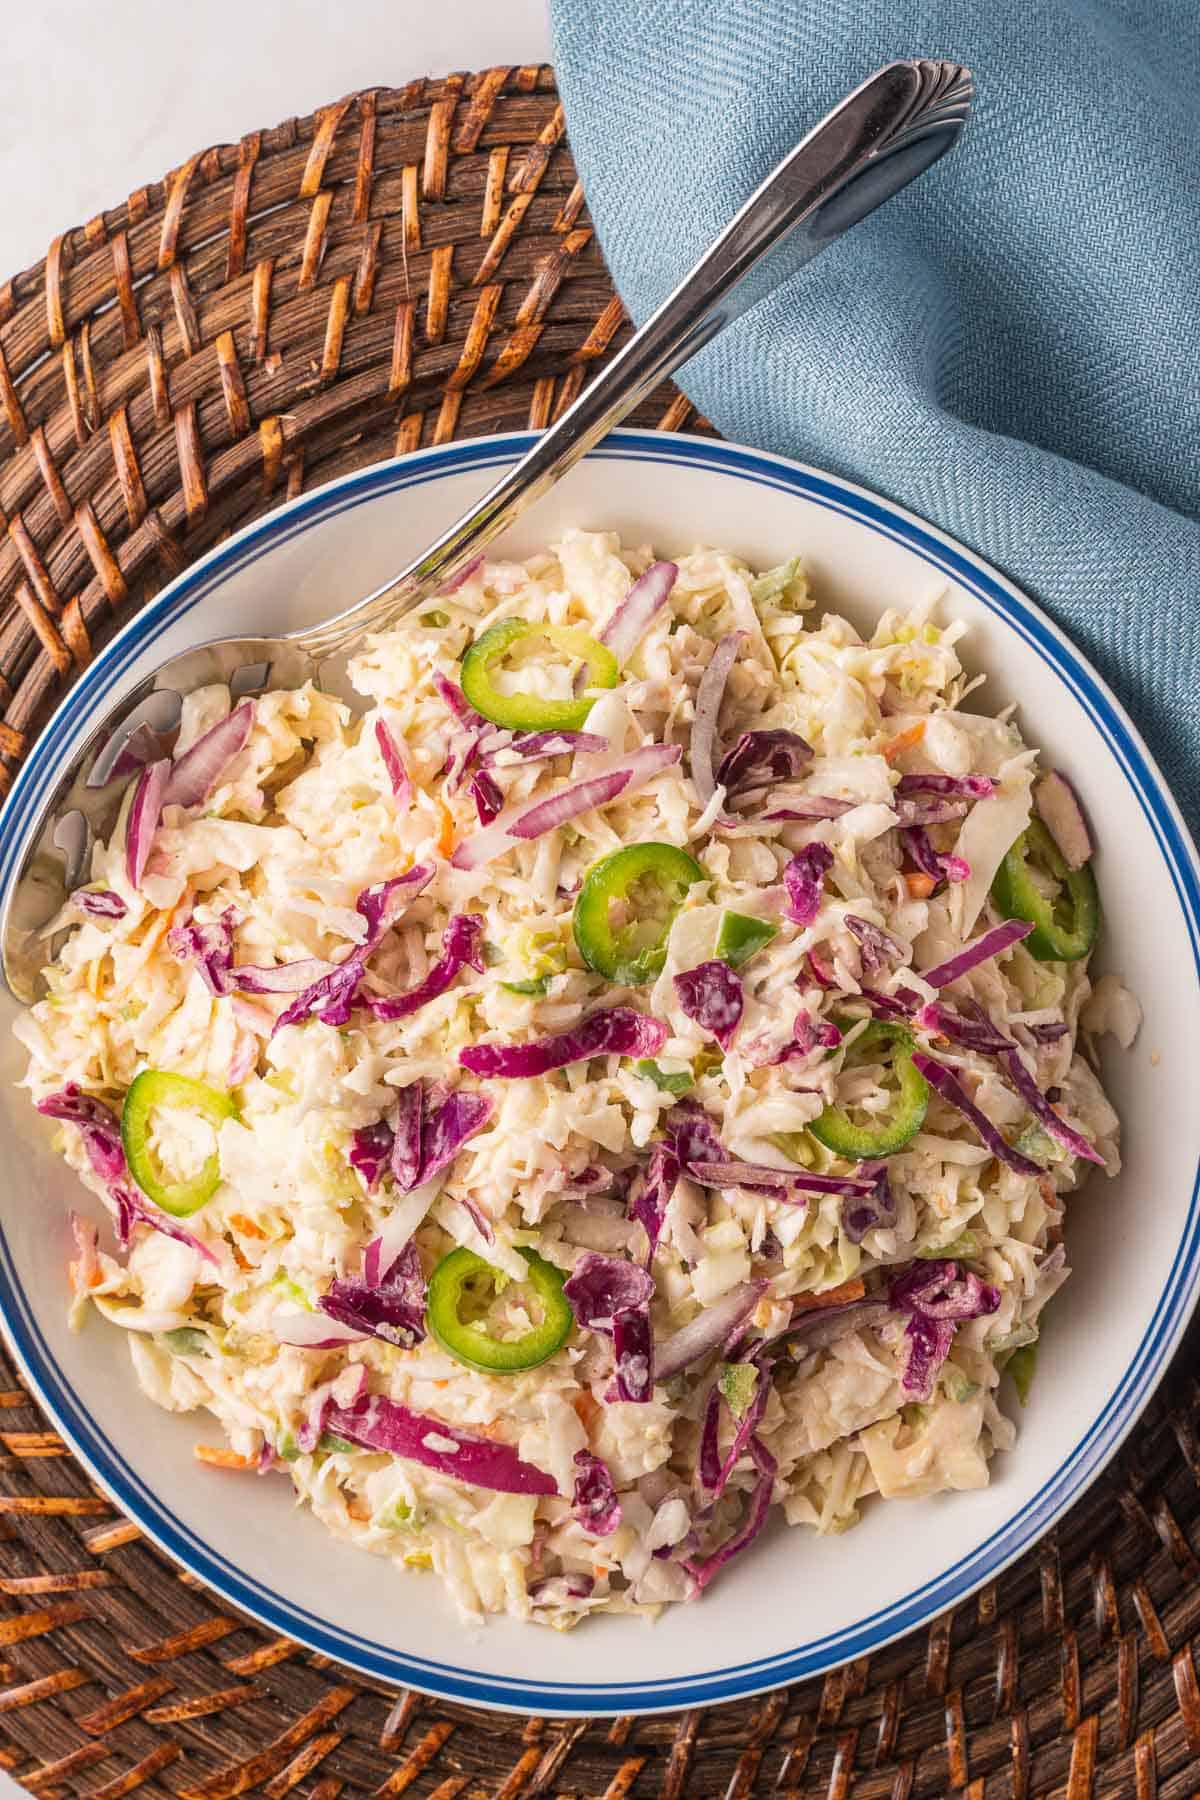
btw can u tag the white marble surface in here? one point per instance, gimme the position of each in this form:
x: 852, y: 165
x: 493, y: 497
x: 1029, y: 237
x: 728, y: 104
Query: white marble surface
x: 95, y: 100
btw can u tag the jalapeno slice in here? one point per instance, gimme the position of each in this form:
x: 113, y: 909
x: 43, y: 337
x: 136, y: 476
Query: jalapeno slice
x: 626, y: 907
x: 156, y: 1088
x: 529, y: 712
x: 1064, y: 922
x: 878, y: 1137
x: 741, y: 936
x: 462, y: 1293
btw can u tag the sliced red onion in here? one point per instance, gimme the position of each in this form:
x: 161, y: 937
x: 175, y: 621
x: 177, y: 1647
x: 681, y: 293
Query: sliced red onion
x: 465, y: 744
x: 809, y: 806
x: 936, y: 863
x: 600, y: 1287
x: 653, y: 1194
x: 196, y: 773
x: 991, y: 943
x: 804, y: 879
x: 951, y: 1089
x: 487, y: 794
x: 371, y: 1152
x: 711, y: 995
x: 874, y: 1211
x: 460, y: 577
x: 99, y: 904
x: 633, y: 1354
x: 143, y: 745
x: 534, y: 746
x: 210, y: 947
x: 314, y: 1331
x: 821, y: 1326
x: 709, y: 695
x: 133, y: 1210
x: 594, y: 1501
x: 461, y: 942
x: 927, y: 1344
x: 941, y: 1288
x: 1057, y: 806
x: 708, y: 1331
x: 1042, y: 1110
x: 285, y: 978
x: 614, y: 1031
x: 970, y: 787
x: 778, y: 1182
x: 821, y: 973
x: 392, y: 1308
x: 87, y: 1243
x: 876, y: 945
x: 633, y: 617
x: 758, y: 1506
x: 557, y: 1590
x: 578, y: 797
x: 145, y: 811
x: 393, y: 762
x: 764, y: 758
x: 479, y: 1219
x: 379, y: 1424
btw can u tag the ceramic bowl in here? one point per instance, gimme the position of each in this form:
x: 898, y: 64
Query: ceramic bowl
x: 797, y: 1604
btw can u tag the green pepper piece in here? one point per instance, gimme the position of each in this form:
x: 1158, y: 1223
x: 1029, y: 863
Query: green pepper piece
x: 862, y: 1143
x: 742, y: 937
x: 1065, y: 925
x: 1022, y: 1366
x: 737, y: 1382
x: 528, y: 712
x: 626, y: 906
x: 150, y: 1090
x: 463, y: 1285
x: 535, y: 988
x: 186, y: 1340
x: 332, y: 1445
x: 649, y: 1070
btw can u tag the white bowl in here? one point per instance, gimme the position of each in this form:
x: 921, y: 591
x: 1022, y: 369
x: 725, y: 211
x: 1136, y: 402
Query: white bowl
x: 797, y: 1604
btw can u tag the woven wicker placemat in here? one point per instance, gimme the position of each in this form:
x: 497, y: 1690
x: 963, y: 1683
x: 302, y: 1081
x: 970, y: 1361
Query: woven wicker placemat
x: 405, y: 267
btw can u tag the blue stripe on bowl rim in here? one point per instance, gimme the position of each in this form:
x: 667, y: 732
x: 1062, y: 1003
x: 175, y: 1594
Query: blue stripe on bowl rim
x: 1079, y: 1467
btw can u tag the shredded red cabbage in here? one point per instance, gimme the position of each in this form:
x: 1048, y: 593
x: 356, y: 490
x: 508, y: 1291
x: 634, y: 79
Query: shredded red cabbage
x: 99, y: 904
x: 98, y: 1126
x: 765, y: 1178
x: 614, y: 1031
x: 971, y: 787
x: 939, y: 864
x: 951, y: 1089
x: 487, y: 794
x: 210, y: 947
x: 942, y: 1289
x: 804, y: 879
x: 862, y: 1213
x: 809, y: 806
x: 977, y: 1033
x: 332, y: 995
x: 890, y: 1006
x: 1042, y: 1110
x: 1049, y: 1033
x: 929, y: 811
x: 991, y: 943
x: 758, y: 1506
x: 461, y: 943
x: 633, y: 1352
x: 393, y: 762
x: 762, y: 758
x: 533, y: 746
x: 653, y: 1192
x: 145, y: 811
x: 600, y: 1287
x: 876, y: 945
x: 379, y: 1424
x: 392, y: 1308
x: 406, y: 1136
x: 712, y: 996
x: 927, y: 1345
x: 350, y: 1385
x: 133, y: 1210
x: 691, y: 1134
x: 194, y: 776
x: 446, y: 1129
x: 595, y: 1502
x: 371, y: 1151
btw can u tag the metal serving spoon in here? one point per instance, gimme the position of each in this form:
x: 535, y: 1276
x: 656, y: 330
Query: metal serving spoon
x: 881, y: 137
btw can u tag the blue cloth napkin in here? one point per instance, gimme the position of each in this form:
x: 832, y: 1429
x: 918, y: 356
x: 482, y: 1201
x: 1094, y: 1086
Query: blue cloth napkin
x: 1012, y: 346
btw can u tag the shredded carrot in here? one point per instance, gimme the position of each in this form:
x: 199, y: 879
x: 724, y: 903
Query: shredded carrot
x: 246, y: 1226
x: 445, y: 841
x: 904, y: 740
x: 919, y: 885
x: 586, y: 1408
x: 358, y: 1509
x: 221, y: 1459
x: 441, y: 1384
x: 242, y: 1263
x: 836, y: 1296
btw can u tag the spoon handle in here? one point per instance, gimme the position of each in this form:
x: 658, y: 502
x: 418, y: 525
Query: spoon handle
x: 883, y: 135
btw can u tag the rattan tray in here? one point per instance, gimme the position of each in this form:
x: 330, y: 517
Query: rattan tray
x: 407, y: 266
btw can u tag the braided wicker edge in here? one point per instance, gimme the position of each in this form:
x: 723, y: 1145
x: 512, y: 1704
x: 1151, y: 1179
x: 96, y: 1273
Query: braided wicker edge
x: 403, y: 267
